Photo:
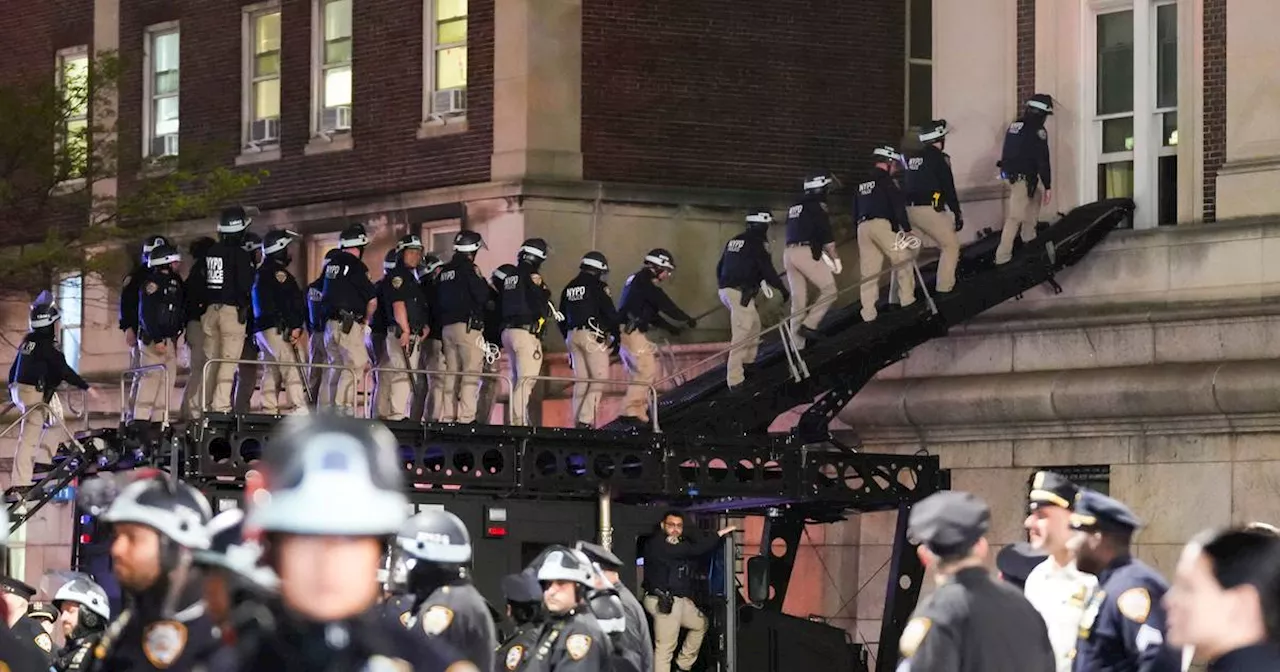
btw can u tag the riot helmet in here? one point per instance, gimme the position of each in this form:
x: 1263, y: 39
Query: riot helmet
x: 389, y: 260
x: 533, y: 252
x: 95, y: 607
x: 594, y: 262
x: 151, y: 243
x: 758, y: 221
x: 276, y: 245
x: 468, y: 242
x: 1041, y: 103
x: 43, y: 312
x: 409, y: 250
x: 660, y: 259
x: 177, y: 511
x: 935, y: 131
x: 233, y: 220
x: 818, y: 183
x: 430, y: 264
x: 353, y: 236
x: 230, y: 551
x: 163, y: 255
x: 435, y: 548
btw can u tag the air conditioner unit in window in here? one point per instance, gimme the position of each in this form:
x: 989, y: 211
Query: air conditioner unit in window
x: 265, y: 131
x: 165, y: 145
x: 449, y: 101
x: 336, y: 118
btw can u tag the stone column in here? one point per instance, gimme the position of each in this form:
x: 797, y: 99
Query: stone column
x: 1246, y: 183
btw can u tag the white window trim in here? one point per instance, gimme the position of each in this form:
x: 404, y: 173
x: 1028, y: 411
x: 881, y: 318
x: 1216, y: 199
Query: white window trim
x: 60, y: 59
x: 328, y: 141
x: 433, y: 228
x: 253, y: 153
x: 64, y: 326
x: 434, y: 124
x: 906, y: 72
x: 148, y: 81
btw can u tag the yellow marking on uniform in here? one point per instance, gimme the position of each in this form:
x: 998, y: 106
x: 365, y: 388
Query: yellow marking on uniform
x: 1135, y: 604
x: 913, y: 636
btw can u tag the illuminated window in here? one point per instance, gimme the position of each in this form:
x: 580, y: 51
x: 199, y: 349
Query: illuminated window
x: 161, y: 91
x: 73, y: 83
x: 332, y: 106
x: 70, y: 301
x: 445, y: 57
x: 262, y: 76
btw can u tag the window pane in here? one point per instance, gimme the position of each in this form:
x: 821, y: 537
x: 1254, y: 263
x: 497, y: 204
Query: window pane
x: 166, y: 82
x: 337, y: 87
x: 450, y: 9
x: 164, y: 52
x: 75, y: 86
x: 451, y: 68
x: 1115, y: 180
x: 1169, y: 134
x: 920, y: 95
x: 922, y: 29
x: 1168, y: 206
x: 451, y: 32
x: 76, y: 150
x: 70, y: 300
x: 266, y: 33
x: 442, y: 241
x: 337, y: 20
x: 1117, y: 135
x: 266, y: 99
x: 166, y: 116
x: 337, y: 51
x: 71, y: 347
x: 1115, y: 62
x: 266, y: 65
x: 1167, y: 56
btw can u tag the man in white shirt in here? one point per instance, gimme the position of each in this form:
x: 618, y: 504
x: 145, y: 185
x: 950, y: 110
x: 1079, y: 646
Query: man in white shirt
x: 1055, y: 587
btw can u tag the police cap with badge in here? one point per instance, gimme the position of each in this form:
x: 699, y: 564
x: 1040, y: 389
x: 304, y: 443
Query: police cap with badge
x: 949, y: 523
x: 1050, y: 488
x: 600, y: 555
x: 10, y: 585
x: 1096, y: 512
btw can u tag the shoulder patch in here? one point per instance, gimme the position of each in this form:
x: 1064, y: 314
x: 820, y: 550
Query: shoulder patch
x: 913, y: 636
x: 514, y: 655
x: 437, y: 619
x: 151, y: 288
x: 1044, y: 135
x: 281, y: 276
x: 404, y: 618
x: 44, y: 641
x: 163, y: 642
x: 536, y: 278
x: 396, y: 281
x: 385, y: 664
x: 578, y: 646
x: 1135, y: 604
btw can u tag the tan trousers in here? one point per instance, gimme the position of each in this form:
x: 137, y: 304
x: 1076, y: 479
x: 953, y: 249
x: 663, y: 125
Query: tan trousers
x: 640, y: 356
x: 1024, y: 212
x: 441, y: 407
x: 399, y: 386
x: 275, y: 348
x: 525, y: 351
x: 31, y: 434
x: 316, y: 375
x: 190, y: 405
x: 381, y: 387
x: 666, y: 631
x: 876, y: 240
x: 153, y: 392
x: 941, y: 227
x: 223, y: 339
x: 590, y: 359
x: 348, y: 350
x: 803, y: 269
x: 135, y: 357
x: 744, y: 323
x: 247, y: 376
x: 462, y: 353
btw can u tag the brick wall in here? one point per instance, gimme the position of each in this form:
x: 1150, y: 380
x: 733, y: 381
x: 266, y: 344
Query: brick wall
x: 1215, y: 101
x: 1026, y: 50
x: 745, y: 93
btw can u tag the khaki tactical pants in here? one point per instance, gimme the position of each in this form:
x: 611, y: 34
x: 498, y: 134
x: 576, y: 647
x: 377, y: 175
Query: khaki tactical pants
x: 666, y: 631
x: 275, y: 348
x: 223, y: 339
x: 525, y: 351
x: 462, y: 352
x: 876, y: 240
x: 153, y: 389
x: 247, y: 376
x: 744, y: 323
x: 590, y: 359
x: 941, y: 227
x: 803, y: 269
x: 190, y: 405
x: 640, y: 356
x: 1024, y: 212
x: 441, y: 407
x: 31, y: 434
x: 349, y: 351
x: 316, y: 375
x: 399, y: 386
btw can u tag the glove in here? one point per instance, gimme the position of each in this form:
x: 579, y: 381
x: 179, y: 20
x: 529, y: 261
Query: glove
x: 959, y: 223
x: 692, y: 323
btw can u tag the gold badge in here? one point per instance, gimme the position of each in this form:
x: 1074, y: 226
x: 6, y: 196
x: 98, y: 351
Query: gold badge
x: 397, y: 281
x: 578, y: 646
x: 44, y: 641
x: 281, y: 276
x: 151, y: 288
x: 514, y: 656
x: 385, y: 664
x: 4, y: 667
x: 913, y: 635
x: 404, y: 618
x: 1135, y: 604
x: 437, y: 620
x: 163, y: 642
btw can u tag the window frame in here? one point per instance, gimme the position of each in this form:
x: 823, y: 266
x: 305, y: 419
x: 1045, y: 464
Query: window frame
x: 429, y: 62
x: 906, y: 72
x: 319, y: 68
x: 249, y: 17
x: 149, y: 96
x: 61, y: 58
x: 428, y: 230
x: 65, y: 325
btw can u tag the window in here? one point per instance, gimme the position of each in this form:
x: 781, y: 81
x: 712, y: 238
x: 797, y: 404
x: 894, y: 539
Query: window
x: 73, y: 140
x: 333, y: 67
x: 445, y: 59
x: 437, y: 237
x: 919, y: 69
x: 160, y: 118
x: 1166, y: 85
x: 70, y: 300
x: 262, y: 77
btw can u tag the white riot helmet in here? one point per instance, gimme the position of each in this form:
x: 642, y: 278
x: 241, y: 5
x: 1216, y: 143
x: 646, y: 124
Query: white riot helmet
x: 228, y: 550
x: 435, y: 536
x: 85, y: 592
x: 563, y: 564
x: 175, y: 510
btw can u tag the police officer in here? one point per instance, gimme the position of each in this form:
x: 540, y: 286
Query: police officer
x: 44, y: 614
x: 18, y: 654
x: 971, y: 622
x: 231, y: 574
x: 403, y: 306
x: 933, y: 205
x: 156, y: 523
x: 525, y: 300
x: 1015, y: 562
x: 571, y: 638
x: 524, y: 608
x: 591, y: 331
x: 884, y: 230
x: 436, y: 550
x: 247, y: 374
x: 1123, y: 626
x: 745, y: 267
x: 641, y: 308
x: 431, y: 404
x: 603, y: 603
x: 161, y: 319
x: 348, y: 298
x: 316, y: 376
x: 279, y: 312
x: 811, y: 256
x: 17, y: 598
x: 1056, y: 588
x: 336, y: 492
x: 378, y: 334
x: 493, y: 341
x: 225, y: 280
x: 193, y: 333
x: 1024, y: 164
x: 34, y: 377
x: 85, y: 612
x: 636, y: 640
x: 462, y: 293
x: 129, y: 306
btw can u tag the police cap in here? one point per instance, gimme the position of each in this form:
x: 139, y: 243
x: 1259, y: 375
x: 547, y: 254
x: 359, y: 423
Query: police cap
x: 522, y: 587
x: 42, y: 611
x: 10, y: 585
x: 600, y: 555
x: 949, y: 523
x: 1052, y: 489
x: 1096, y: 511
x: 1016, y: 561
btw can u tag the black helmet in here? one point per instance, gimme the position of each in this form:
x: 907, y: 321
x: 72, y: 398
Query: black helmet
x: 500, y: 274
x: 353, y: 236
x: 151, y: 243
x: 430, y: 262
x: 409, y: 242
x: 389, y: 260
x: 251, y: 242
x: 468, y: 241
x: 885, y: 153
x: 660, y: 258
x: 436, y: 536
x: 1041, y: 102
x: 176, y: 510
x: 276, y: 241
x: 163, y: 256
x: 934, y: 131
x: 594, y: 262
x: 234, y: 220
x: 533, y: 250
x: 818, y: 183
x: 759, y: 219
x: 43, y: 312
x: 199, y: 248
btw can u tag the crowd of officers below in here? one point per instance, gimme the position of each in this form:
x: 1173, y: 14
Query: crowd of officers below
x: 302, y: 579
x: 1074, y: 599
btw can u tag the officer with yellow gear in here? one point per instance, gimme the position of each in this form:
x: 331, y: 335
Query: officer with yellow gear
x: 1055, y: 587
x: 405, y: 313
x: 525, y: 313
x: 884, y: 231
x: 348, y: 299
x: 811, y: 256
x: 933, y: 205
x: 524, y: 608
x: 461, y: 295
x: 279, y: 311
x: 571, y: 639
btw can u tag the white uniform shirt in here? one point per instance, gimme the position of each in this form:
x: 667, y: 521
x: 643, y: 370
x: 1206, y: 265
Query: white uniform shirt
x: 1060, y: 594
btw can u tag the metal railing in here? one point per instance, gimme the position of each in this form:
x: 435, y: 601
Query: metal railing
x: 371, y: 402
x: 652, y: 388
x: 55, y: 420
x: 204, y: 379
x: 135, y: 375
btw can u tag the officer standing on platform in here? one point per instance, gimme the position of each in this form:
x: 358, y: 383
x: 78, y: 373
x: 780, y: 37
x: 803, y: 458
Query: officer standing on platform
x: 321, y: 395
x: 462, y: 293
x: 745, y: 266
x: 247, y: 374
x: 524, y: 608
x: 811, y: 256
x: 378, y: 336
x: 1056, y: 588
x: 591, y: 333
x: 640, y: 309
x: 429, y: 399
x: 525, y: 303
x: 1123, y: 626
x: 161, y: 319
x: 933, y: 203
x: 279, y: 311
x: 1024, y: 164
x: 129, y: 306
x: 571, y: 639
x: 879, y: 212
x: 405, y: 313
x: 225, y: 279
x: 189, y: 407
x: 971, y: 623
x: 489, y: 388
x: 348, y: 299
